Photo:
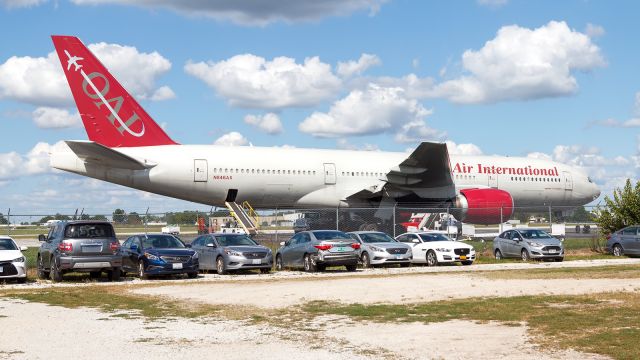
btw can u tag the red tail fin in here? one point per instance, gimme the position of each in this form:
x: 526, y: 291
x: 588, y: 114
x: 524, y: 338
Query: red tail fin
x: 110, y: 115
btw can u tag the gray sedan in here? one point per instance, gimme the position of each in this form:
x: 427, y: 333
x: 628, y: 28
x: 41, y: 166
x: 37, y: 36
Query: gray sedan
x: 226, y: 252
x: 625, y: 241
x: 528, y: 244
x: 378, y: 248
x: 317, y: 249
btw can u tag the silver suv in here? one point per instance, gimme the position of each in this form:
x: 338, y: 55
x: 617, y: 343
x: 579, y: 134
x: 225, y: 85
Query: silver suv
x: 79, y: 246
x: 317, y: 249
x: 528, y: 244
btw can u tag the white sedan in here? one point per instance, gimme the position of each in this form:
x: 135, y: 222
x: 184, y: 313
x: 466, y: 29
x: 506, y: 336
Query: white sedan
x: 13, y: 264
x: 434, y: 248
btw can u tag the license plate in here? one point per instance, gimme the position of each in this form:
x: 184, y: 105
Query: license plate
x: 463, y: 257
x: 552, y: 251
x: 256, y: 261
x: 398, y: 256
x: 92, y: 248
x: 177, y: 265
x: 341, y: 249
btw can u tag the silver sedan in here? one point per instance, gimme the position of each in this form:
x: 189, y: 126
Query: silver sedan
x: 226, y: 252
x: 378, y: 248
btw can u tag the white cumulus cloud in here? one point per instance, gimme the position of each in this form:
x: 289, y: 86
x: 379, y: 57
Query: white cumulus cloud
x: 521, y: 64
x: 269, y: 123
x: 12, y: 4
x: 462, y: 149
x: 36, y: 161
x: 55, y: 118
x: 40, y: 80
x: 233, y: 138
x: 254, y: 82
x: 350, y: 68
x: 594, y: 30
x: 374, y: 110
x: 254, y: 13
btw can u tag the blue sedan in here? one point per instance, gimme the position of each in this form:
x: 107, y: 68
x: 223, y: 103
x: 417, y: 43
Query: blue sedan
x: 158, y: 254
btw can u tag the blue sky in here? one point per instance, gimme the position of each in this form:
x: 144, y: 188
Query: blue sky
x: 537, y: 78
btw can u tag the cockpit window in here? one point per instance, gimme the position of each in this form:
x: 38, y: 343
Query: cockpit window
x: 589, y: 179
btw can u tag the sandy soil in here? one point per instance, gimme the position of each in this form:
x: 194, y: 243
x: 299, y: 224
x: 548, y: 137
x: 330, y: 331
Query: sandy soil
x: 88, y: 333
x: 392, y: 289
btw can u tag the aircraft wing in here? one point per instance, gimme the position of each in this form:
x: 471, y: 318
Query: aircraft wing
x: 426, y: 172
x: 94, y: 153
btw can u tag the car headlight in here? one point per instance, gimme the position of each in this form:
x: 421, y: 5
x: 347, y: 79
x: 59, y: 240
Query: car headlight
x: 376, y: 249
x: 195, y: 255
x: 534, y: 244
x: 443, y: 249
x: 20, y: 259
x: 232, y: 252
x: 150, y: 256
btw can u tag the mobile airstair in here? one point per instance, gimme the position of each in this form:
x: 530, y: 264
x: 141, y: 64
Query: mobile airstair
x: 245, y: 215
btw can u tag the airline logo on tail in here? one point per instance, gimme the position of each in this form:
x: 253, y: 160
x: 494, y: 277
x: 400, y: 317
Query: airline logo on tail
x: 100, y: 95
x: 111, y: 116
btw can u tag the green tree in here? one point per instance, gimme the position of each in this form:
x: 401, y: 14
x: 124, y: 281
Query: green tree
x: 580, y: 214
x: 134, y: 218
x: 622, y: 210
x: 99, y: 217
x: 119, y: 216
x: 3, y: 220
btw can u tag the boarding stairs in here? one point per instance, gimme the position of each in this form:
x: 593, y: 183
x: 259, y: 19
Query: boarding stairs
x: 245, y: 215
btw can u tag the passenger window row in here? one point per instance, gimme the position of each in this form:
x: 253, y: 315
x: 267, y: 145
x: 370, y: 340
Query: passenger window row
x: 263, y: 171
x: 526, y: 178
x: 361, y: 173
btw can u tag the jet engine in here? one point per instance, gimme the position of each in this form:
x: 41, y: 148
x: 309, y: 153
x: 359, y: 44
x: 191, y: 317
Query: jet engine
x: 484, y: 206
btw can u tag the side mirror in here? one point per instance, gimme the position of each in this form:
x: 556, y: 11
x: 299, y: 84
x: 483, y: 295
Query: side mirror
x: 415, y: 241
x: 41, y: 238
x: 517, y: 239
x: 23, y: 248
x: 187, y: 245
x: 211, y: 245
x: 282, y: 243
x: 134, y: 248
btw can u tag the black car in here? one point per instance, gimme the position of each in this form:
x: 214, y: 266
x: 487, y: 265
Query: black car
x: 158, y: 254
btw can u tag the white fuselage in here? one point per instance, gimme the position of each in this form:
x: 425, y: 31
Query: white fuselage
x: 270, y: 177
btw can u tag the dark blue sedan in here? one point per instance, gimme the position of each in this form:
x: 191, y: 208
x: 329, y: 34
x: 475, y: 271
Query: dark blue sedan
x: 158, y: 254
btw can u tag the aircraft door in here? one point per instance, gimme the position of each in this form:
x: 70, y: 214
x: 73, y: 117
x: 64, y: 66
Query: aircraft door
x: 568, y: 180
x: 200, y: 170
x: 329, y: 173
x: 493, y: 181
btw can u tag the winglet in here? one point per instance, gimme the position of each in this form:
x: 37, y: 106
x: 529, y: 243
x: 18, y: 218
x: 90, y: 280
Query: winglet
x: 111, y: 116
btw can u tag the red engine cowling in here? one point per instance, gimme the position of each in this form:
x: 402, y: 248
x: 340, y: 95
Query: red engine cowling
x: 484, y: 206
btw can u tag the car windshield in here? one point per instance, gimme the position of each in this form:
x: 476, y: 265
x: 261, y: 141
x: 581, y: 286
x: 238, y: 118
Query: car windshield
x: 376, y: 238
x: 434, y: 237
x: 7, y: 244
x: 161, y: 242
x: 534, y: 234
x: 235, y: 240
x: 331, y: 235
x: 88, y: 231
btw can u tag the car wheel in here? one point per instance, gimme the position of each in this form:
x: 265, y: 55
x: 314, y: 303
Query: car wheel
x: 309, y: 266
x: 279, y: 265
x: 467, y: 262
x: 192, y: 275
x: 55, y: 274
x: 617, y: 250
x: 498, y: 254
x: 114, y: 274
x: 432, y: 258
x: 95, y: 274
x: 351, y: 268
x: 141, y: 273
x: 366, y: 260
x: 265, y: 271
x: 524, y: 254
x: 221, y: 267
x: 321, y: 268
x: 42, y: 274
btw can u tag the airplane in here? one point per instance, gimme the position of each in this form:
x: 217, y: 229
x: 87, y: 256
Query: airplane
x: 127, y: 147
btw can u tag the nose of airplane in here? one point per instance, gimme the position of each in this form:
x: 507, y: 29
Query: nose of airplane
x: 595, y: 192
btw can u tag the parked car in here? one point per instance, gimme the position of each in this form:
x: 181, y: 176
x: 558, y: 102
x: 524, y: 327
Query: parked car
x: 528, y: 244
x: 226, y: 252
x: 378, y: 248
x: 433, y: 248
x: 318, y: 249
x: 300, y: 224
x: 158, y: 254
x: 625, y: 241
x: 79, y: 246
x: 13, y: 264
